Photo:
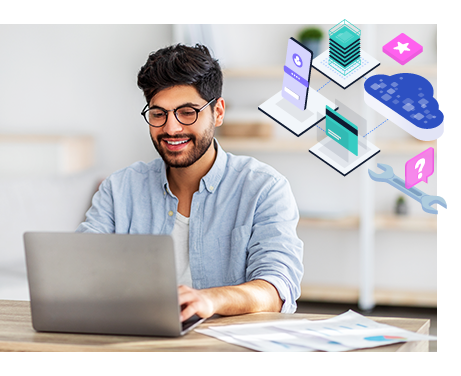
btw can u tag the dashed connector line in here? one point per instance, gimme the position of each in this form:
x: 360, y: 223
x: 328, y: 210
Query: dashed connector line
x: 321, y: 128
x: 376, y: 127
x: 324, y: 85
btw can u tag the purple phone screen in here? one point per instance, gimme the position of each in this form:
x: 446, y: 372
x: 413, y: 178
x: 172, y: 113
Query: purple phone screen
x: 297, y: 74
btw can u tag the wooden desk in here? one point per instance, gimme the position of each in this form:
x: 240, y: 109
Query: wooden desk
x: 17, y: 334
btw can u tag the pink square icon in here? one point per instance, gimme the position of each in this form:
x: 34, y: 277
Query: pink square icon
x: 402, y: 49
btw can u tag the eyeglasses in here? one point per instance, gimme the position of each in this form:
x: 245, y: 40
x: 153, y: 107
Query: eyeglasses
x: 157, y: 117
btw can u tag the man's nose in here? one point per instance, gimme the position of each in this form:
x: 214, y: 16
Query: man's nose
x: 172, y: 125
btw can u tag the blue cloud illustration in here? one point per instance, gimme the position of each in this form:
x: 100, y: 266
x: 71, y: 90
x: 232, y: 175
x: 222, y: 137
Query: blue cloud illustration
x: 408, y: 101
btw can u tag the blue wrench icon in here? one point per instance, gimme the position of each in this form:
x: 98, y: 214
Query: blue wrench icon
x: 388, y: 176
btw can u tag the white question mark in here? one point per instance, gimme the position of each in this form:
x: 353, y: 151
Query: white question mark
x: 421, y: 164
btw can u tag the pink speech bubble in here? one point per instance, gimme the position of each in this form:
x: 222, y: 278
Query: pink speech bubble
x: 419, y: 168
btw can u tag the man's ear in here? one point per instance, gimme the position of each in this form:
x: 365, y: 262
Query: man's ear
x: 219, y: 110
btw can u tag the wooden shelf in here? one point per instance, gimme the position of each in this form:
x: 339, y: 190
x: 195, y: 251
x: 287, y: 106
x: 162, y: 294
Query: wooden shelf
x: 300, y: 145
x: 45, y: 154
x: 404, y: 223
x: 239, y: 144
x: 349, y: 222
x: 382, y: 222
x: 409, y: 146
x: 341, y: 294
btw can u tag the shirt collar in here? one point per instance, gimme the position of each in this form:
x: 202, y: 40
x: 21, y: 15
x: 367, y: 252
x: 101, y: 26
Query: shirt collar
x: 212, y: 179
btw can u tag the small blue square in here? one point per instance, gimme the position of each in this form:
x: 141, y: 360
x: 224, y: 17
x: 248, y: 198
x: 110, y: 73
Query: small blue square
x: 408, y: 100
x: 395, y: 101
x: 394, y: 84
x: 421, y: 95
x: 430, y: 116
x: 381, y: 80
x: 419, y: 116
x: 426, y: 112
x: 423, y: 106
x: 383, y: 85
x: 386, y: 97
x: 398, y: 96
x: 401, y: 78
x: 408, y: 107
x: 423, y: 101
x: 375, y: 86
x: 391, y: 91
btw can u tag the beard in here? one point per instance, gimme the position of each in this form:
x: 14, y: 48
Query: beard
x: 174, y: 159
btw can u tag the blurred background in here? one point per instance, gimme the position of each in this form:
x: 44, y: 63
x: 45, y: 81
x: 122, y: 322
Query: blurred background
x: 70, y: 116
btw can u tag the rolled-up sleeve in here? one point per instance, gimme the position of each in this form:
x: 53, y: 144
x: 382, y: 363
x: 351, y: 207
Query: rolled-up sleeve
x: 275, y: 252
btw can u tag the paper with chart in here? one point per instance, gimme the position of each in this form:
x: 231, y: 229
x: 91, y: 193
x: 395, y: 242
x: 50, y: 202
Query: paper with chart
x: 267, y: 337
x: 354, y: 330
x: 348, y: 331
x: 275, y: 343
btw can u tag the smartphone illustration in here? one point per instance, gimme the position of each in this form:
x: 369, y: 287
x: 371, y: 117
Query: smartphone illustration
x: 297, y: 74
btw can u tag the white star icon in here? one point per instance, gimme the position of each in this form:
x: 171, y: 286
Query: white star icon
x: 402, y: 47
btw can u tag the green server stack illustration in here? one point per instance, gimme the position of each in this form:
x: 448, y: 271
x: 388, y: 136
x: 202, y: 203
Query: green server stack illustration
x: 344, y: 47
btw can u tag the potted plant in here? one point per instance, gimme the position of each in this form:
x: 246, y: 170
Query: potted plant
x: 311, y: 38
x: 401, y: 207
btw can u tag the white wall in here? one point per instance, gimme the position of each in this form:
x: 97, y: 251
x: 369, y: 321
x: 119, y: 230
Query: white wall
x: 79, y: 79
x: 68, y: 79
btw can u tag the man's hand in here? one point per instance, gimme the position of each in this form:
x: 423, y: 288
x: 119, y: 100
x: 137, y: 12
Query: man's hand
x: 249, y: 297
x: 194, y: 301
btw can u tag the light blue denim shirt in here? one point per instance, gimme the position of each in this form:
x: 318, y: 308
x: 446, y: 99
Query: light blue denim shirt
x: 242, y: 221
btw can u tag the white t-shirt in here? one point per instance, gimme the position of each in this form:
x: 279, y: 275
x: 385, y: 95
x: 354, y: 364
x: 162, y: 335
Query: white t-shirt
x: 180, y: 236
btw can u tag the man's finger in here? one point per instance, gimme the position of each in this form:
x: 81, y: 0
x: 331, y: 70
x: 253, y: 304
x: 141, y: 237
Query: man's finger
x: 186, y: 298
x: 183, y: 288
x: 188, y: 312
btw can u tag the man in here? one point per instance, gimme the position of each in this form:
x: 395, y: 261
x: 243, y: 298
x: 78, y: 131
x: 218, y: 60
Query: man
x: 233, y: 219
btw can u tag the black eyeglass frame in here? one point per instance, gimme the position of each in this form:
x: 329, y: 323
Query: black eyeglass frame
x: 197, y: 111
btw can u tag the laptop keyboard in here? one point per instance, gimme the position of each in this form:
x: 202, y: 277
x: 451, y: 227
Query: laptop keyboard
x: 190, y: 322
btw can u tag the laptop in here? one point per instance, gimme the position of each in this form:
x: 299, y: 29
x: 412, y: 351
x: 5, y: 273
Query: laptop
x: 104, y: 283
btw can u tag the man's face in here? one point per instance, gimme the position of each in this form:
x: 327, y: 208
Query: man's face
x: 182, y: 145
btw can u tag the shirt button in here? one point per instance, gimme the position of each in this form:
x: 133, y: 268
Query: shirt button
x: 164, y: 193
x: 170, y: 213
x: 211, y: 187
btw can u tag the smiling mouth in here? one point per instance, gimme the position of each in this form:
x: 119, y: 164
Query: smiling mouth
x: 176, y: 145
x: 176, y: 142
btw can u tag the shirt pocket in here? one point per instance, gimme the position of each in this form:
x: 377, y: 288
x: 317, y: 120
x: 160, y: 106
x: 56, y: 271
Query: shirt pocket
x: 233, y: 251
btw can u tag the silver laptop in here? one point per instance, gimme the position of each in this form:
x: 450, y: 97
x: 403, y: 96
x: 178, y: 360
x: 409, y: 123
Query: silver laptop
x: 104, y: 283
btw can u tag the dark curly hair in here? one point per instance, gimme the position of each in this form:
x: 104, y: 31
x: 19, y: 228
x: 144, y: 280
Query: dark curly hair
x: 181, y: 65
